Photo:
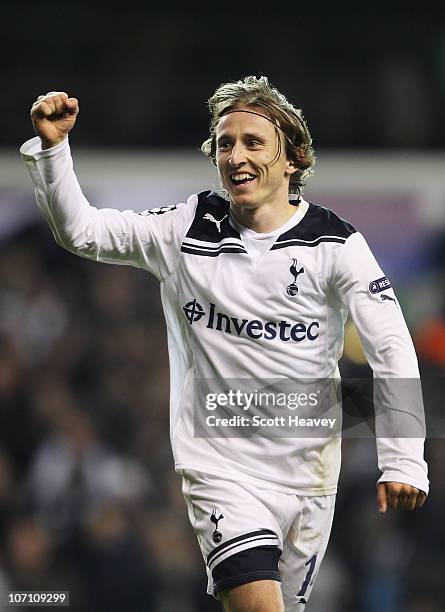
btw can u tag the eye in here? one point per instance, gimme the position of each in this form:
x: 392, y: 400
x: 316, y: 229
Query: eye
x: 223, y: 145
x: 254, y: 143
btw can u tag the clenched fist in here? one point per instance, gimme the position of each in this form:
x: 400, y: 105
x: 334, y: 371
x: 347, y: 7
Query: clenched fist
x: 398, y: 495
x: 53, y: 116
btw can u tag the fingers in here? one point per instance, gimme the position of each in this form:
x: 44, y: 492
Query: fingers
x: 393, y: 492
x: 397, y: 495
x: 411, y: 500
x: 382, y: 501
x: 421, y: 499
x: 54, y: 104
x: 50, y: 103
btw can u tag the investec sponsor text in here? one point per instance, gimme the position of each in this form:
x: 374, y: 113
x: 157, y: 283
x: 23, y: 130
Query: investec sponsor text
x: 256, y: 329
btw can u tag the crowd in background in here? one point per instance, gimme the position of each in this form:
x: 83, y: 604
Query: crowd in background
x: 89, y: 501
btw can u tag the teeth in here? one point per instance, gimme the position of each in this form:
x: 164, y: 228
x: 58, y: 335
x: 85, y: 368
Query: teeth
x: 242, y: 177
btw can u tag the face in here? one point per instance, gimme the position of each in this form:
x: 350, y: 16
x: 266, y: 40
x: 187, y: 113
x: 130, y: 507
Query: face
x: 246, y: 144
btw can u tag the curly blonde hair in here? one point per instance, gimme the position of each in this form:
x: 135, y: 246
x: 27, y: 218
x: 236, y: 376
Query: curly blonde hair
x: 258, y: 92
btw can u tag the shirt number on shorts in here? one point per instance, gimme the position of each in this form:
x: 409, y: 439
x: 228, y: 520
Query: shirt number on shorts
x: 312, y: 561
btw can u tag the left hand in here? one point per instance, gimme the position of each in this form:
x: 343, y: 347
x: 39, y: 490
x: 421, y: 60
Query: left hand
x: 397, y: 495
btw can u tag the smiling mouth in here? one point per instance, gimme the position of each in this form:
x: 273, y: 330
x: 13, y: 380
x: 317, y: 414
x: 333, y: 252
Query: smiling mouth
x: 242, y: 178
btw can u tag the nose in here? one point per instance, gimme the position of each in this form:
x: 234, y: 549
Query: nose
x: 237, y: 155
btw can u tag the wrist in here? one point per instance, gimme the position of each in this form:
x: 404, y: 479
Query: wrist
x: 49, y: 144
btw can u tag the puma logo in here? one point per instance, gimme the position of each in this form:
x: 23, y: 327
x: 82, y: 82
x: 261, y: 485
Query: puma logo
x: 217, y: 222
x: 385, y: 297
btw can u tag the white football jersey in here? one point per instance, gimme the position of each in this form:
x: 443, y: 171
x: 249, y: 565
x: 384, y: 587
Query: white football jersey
x: 239, y: 305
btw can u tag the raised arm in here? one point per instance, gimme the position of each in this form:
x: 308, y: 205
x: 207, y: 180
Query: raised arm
x: 150, y: 241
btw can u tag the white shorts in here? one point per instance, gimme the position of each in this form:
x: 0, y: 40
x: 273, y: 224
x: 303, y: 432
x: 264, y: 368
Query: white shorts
x: 247, y: 534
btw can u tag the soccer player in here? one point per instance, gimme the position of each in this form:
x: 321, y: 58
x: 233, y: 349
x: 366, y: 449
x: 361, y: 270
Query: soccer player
x: 256, y: 284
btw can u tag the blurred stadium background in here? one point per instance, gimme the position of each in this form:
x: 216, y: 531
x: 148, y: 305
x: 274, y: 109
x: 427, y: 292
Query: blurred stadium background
x: 89, y: 501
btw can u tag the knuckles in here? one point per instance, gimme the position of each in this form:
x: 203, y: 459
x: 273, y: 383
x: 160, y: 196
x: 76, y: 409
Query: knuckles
x: 53, y: 103
x: 403, y: 496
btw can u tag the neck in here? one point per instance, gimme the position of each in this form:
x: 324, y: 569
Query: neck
x: 265, y: 218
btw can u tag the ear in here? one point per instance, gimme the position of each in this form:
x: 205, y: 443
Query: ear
x: 290, y: 168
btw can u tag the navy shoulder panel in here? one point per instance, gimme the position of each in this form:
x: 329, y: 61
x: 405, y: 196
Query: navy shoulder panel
x: 210, y: 233
x: 211, y: 221
x: 318, y: 225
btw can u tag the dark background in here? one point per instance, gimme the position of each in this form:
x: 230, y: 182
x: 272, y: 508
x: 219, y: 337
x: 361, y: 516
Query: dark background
x: 143, y: 75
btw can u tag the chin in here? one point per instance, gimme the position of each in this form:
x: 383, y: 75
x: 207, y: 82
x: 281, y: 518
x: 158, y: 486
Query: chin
x: 243, y: 205
x: 241, y: 200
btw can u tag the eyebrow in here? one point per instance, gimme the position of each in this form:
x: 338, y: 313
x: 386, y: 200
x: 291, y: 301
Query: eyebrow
x: 249, y: 135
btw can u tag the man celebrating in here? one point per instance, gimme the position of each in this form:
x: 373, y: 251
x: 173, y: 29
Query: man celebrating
x: 256, y: 284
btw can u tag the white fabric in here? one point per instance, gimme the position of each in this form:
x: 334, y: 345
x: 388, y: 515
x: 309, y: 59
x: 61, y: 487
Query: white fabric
x: 252, y: 287
x: 301, y: 527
